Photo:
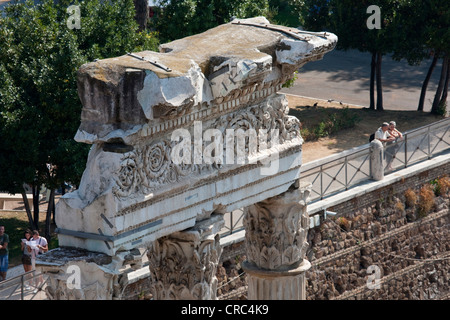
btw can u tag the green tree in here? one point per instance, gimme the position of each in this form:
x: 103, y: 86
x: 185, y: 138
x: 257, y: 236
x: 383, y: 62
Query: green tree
x: 348, y: 19
x: 438, y: 31
x: 39, y: 105
x: 180, y: 18
x: 425, y: 33
x: 410, y: 29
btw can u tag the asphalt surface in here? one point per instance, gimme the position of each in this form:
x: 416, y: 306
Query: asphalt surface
x: 345, y: 76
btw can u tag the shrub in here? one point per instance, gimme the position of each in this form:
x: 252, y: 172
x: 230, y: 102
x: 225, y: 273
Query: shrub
x: 291, y: 81
x: 426, y: 200
x: 399, y: 206
x: 441, y: 186
x: 332, y: 123
x: 343, y: 223
x: 410, y: 198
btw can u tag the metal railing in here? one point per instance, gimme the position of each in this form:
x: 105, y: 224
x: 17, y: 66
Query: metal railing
x: 337, y: 173
x: 349, y: 168
x: 417, y: 145
x: 233, y: 222
x: 23, y: 287
x: 340, y: 172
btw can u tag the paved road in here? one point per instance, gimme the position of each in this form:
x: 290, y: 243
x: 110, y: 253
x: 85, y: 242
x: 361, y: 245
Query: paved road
x: 345, y: 76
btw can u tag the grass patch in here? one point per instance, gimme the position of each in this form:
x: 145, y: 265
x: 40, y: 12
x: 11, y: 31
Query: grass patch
x: 328, y: 121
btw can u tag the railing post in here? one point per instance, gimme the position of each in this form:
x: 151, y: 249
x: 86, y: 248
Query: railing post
x: 429, y: 147
x: 231, y: 222
x: 406, y: 150
x: 346, y: 173
x: 321, y: 182
x: 22, y: 283
x: 376, y: 160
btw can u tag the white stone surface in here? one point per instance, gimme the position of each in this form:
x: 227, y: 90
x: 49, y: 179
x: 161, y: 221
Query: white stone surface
x: 269, y: 285
x: 377, y: 162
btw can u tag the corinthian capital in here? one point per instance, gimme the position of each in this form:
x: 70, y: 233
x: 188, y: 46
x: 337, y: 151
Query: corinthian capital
x: 276, y: 230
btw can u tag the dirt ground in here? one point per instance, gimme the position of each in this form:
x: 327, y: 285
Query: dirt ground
x: 371, y: 120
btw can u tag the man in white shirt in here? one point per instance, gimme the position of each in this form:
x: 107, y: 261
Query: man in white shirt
x: 383, y: 135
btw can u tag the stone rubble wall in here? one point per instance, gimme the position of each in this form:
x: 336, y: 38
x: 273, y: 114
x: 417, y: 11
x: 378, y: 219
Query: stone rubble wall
x: 379, y: 231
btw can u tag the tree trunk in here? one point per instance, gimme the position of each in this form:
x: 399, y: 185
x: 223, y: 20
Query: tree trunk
x: 372, y: 81
x: 425, y: 83
x: 141, y: 7
x: 35, y: 189
x: 440, y: 88
x: 445, y: 90
x: 28, y: 210
x: 379, y: 84
x: 51, y: 203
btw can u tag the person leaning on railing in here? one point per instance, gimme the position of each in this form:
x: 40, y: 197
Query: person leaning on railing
x: 382, y: 134
x: 392, y: 148
x: 393, y: 131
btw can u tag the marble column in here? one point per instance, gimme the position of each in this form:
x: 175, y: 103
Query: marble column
x: 275, y: 235
x: 183, y: 265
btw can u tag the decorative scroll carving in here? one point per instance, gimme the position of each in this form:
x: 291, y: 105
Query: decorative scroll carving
x: 276, y: 230
x: 149, y: 167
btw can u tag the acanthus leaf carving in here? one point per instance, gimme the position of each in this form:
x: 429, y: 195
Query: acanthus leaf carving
x: 183, y: 269
x: 275, y: 234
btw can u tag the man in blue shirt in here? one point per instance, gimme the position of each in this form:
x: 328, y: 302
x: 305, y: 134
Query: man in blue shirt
x: 4, y: 240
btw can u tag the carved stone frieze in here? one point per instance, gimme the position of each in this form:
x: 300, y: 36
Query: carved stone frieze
x: 151, y: 166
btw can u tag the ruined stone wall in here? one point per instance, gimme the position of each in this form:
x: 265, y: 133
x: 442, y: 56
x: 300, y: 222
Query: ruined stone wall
x: 392, y: 243
x: 139, y: 290
x: 408, y: 253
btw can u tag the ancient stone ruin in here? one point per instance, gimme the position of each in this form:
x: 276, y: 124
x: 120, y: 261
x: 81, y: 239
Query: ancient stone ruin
x: 180, y: 137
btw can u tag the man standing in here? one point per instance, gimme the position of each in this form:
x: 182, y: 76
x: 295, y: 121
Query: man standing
x: 4, y: 240
x: 383, y: 135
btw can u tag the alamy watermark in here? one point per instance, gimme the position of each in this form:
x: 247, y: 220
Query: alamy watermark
x: 74, y: 20
x: 74, y: 279
x: 374, y: 278
x: 374, y: 21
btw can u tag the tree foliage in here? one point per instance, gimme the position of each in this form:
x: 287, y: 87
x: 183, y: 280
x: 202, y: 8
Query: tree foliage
x: 176, y: 19
x: 410, y: 29
x: 39, y: 105
x: 425, y: 33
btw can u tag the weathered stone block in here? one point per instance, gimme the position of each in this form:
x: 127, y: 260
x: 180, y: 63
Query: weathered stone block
x: 162, y: 158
